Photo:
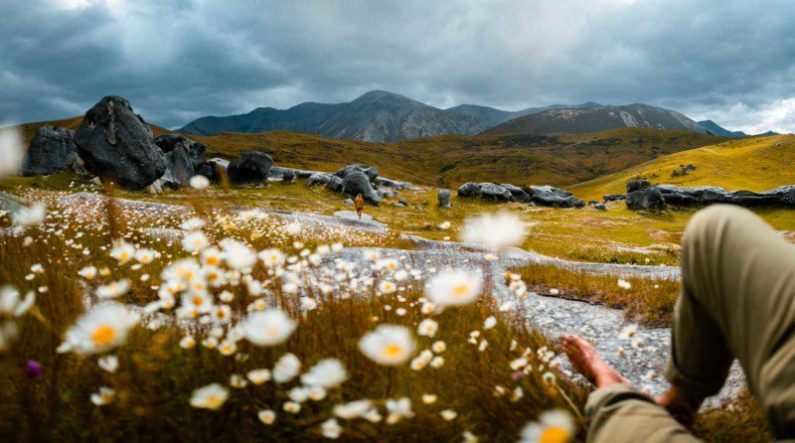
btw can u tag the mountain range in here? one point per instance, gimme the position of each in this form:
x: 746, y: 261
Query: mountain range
x: 381, y: 116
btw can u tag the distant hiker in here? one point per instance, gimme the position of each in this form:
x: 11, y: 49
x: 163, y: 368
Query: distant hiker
x: 737, y: 302
x: 358, y: 203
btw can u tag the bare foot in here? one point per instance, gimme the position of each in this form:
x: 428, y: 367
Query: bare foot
x: 681, y: 406
x: 587, y: 362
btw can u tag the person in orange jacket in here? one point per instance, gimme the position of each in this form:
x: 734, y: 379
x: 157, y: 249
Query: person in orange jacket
x: 358, y: 203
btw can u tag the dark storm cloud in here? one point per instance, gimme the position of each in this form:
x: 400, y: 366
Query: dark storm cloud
x: 733, y: 61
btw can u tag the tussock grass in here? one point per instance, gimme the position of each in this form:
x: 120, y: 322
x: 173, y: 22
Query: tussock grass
x: 156, y: 376
x: 648, y: 302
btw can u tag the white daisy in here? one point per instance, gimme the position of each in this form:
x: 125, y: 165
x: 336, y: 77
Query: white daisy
x: 268, y: 328
x: 388, y: 345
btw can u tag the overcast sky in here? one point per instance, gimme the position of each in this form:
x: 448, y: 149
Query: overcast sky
x: 729, y: 60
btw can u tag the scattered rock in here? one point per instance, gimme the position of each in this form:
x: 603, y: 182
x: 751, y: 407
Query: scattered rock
x: 469, y: 189
x: 288, y: 175
x: 402, y: 202
x: 614, y: 197
x: 249, y: 167
x: 115, y: 142
x: 194, y: 149
x: 330, y: 181
x: 444, y: 198
x: 358, y: 183
x: 154, y: 188
x: 348, y: 202
x: 389, y: 183
x: 491, y: 191
x: 370, y: 171
x: 707, y: 195
x: 600, y: 206
x: 650, y: 199
x: 517, y: 193
x: 51, y: 150
x: 206, y: 170
x: 179, y: 169
x: 637, y: 185
x: 550, y: 196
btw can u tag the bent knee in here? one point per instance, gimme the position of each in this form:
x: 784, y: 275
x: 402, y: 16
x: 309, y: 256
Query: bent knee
x: 713, y: 220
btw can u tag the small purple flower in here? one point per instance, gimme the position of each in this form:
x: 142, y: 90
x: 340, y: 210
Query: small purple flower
x: 33, y: 369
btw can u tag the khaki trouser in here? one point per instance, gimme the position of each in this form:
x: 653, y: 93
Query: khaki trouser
x: 737, y: 301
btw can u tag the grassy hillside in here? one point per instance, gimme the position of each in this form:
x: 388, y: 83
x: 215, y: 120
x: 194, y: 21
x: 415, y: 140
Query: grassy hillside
x: 754, y: 164
x: 452, y: 160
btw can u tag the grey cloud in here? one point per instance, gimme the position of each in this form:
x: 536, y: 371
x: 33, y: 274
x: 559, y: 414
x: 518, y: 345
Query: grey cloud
x: 732, y: 61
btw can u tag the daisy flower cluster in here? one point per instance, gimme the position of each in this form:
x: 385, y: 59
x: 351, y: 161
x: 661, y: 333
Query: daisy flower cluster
x: 286, y: 326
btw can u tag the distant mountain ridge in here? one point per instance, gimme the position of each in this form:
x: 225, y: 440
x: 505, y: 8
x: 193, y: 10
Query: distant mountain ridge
x: 715, y: 129
x: 599, y: 118
x: 381, y: 116
x: 377, y: 116
x: 492, y: 116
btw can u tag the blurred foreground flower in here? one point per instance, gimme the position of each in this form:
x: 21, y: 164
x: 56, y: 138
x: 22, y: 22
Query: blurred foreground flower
x: 33, y: 369
x: 495, y: 231
x: 29, y: 216
x: 268, y: 328
x: 199, y: 182
x: 102, y: 328
x: 326, y: 373
x: 552, y: 426
x: 11, y: 150
x: 388, y: 345
x: 212, y: 397
x: 454, y: 288
x: 10, y: 304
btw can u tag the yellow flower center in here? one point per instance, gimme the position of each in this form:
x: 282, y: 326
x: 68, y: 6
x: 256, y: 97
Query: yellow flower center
x: 212, y: 260
x: 554, y: 434
x: 197, y: 300
x: 393, y: 350
x: 460, y: 290
x: 103, y: 335
x: 124, y: 256
x: 213, y: 401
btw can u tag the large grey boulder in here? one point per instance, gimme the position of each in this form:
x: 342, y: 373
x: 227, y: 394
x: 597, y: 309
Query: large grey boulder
x: 51, y: 150
x: 323, y: 179
x: 551, y: 196
x: 491, y: 191
x: 250, y: 167
x: 359, y: 183
x: 116, y: 143
x: 179, y: 170
x: 370, y: 171
x: 195, y: 150
x: 649, y: 199
x: 517, y: 193
x: 444, y: 198
x: 469, y: 189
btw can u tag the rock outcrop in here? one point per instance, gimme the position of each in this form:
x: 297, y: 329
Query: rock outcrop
x: 51, y: 150
x: 540, y: 195
x: 370, y: 171
x: 250, y: 167
x: 707, y: 195
x: 359, y: 183
x: 179, y: 169
x: 551, y: 196
x: 648, y: 199
x: 194, y: 149
x: 116, y: 143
